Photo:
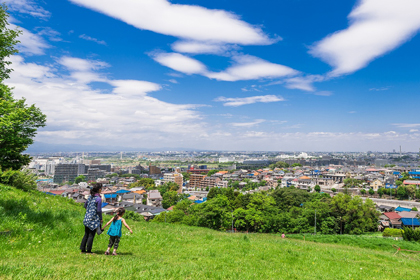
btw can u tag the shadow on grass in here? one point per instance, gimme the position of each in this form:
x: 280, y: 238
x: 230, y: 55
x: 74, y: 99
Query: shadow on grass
x: 102, y: 252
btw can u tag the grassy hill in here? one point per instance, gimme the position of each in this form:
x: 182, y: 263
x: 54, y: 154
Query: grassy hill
x: 41, y: 235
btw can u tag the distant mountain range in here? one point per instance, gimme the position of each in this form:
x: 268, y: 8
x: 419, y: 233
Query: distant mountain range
x: 40, y: 147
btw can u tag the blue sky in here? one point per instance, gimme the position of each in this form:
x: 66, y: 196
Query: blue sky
x: 223, y: 75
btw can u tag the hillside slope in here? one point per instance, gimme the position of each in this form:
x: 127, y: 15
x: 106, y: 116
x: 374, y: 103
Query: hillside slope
x: 46, y: 233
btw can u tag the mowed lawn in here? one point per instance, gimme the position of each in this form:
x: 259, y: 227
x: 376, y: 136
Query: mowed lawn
x: 167, y: 251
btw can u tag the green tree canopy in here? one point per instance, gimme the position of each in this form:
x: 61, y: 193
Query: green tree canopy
x: 18, y: 121
x: 80, y: 178
x: 317, y: 188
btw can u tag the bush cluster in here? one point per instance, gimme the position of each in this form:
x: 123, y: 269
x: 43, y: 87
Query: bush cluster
x: 24, y: 180
x: 392, y: 232
x: 410, y: 234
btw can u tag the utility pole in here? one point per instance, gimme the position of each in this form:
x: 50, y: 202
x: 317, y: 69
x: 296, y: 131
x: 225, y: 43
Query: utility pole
x: 315, y: 221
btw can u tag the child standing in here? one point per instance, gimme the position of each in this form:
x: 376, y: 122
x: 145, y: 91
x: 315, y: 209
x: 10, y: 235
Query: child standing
x: 114, y: 231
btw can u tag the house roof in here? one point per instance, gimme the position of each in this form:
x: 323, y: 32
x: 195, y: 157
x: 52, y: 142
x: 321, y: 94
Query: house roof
x: 410, y: 222
x: 304, y: 178
x: 408, y: 214
x: 411, y: 182
x: 57, y: 192
x: 401, y: 209
x: 392, y: 215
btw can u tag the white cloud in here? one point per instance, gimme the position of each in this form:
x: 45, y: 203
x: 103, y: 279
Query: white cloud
x: 30, y: 43
x: 195, y: 47
x: 245, y: 67
x: 173, y: 81
x: 303, y: 82
x: 323, y: 93
x: 406, y: 125
x: 27, y: 7
x: 126, y: 115
x: 248, y: 124
x: 88, y: 38
x: 379, y: 89
x: 239, y: 101
x: 180, y: 63
x: 248, y: 67
x: 81, y: 65
x: 52, y: 34
x: 413, y: 130
x: 376, y: 27
x: 184, y: 21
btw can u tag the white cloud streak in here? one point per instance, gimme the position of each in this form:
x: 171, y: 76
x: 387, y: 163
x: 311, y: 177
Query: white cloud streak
x: 376, y: 27
x: 239, y: 101
x: 88, y: 38
x: 27, y: 7
x: 189, y: 22
x: 245, y: 67
x: 248, y: 124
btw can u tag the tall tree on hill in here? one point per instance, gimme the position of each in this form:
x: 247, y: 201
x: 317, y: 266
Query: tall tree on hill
x: 18, y: 121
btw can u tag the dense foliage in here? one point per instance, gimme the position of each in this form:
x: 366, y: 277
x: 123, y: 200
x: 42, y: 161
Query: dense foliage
x: 24, y: 180
x: 410, y: 234
x: 18, y: 121
x: 282, y: 210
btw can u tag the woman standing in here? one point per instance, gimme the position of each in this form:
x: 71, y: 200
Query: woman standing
x: 93, y: 218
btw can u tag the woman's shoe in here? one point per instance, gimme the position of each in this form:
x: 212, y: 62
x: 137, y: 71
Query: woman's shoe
x: 107, y: 253
x: 114, y: 254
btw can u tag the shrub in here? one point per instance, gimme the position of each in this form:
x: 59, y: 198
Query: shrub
x: 24, y: 180
x: 414, y: 209
x: 410, y: 234
x: 394, y: 232
x: 133, y: 216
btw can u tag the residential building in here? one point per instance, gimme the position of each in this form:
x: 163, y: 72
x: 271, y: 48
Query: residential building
x: 154, y: 198
x: 195, y: 180
x: 67, y: 172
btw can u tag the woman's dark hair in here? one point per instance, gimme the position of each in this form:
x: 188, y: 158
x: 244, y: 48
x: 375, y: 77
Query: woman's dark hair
x: 120, y: 212
x: 95, y: 188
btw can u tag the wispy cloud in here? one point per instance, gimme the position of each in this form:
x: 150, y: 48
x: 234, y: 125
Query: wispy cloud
x: 379, y: 89
x: 235, y: 102
x: 244, y: 67
x: 248, y: 124
x: 27, y: 7
x: 352, y: 112
x: 406, y: 125
x: 248, y: 67
x: 88, y: 38
x: 376, y: 27
x: 173, y: 81
x: 30, y: 43
x: 52, y: 34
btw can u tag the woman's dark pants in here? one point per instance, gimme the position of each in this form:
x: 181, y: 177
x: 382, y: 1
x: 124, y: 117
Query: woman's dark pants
x: 87, y: 240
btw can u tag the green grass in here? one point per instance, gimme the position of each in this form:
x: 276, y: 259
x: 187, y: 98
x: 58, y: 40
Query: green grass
x: 45, y: 246
x: 368, y: 241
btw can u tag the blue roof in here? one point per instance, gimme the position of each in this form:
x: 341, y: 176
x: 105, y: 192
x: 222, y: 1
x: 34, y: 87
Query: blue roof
x: 198, y: 201
x: 388, y: 186
x: 104, y: 204
x: 396, y: 172
x: 50, y: 193
x: 110, y: 196
x: 402, y: 209
x: 122, y: 191
x: 410, y: 222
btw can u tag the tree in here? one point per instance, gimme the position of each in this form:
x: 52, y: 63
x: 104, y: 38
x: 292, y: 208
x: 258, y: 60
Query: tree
x: 333, y: 190
x: 371, y: 192
x: 147, y: 183
x: 18, y: 121
x: 317, y: 188
x: 380, y: 192
x: 211, y: 172
x: 279, y: 164
x: 80, y: 178
x: 296, y: 165
x: 363, y: 191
